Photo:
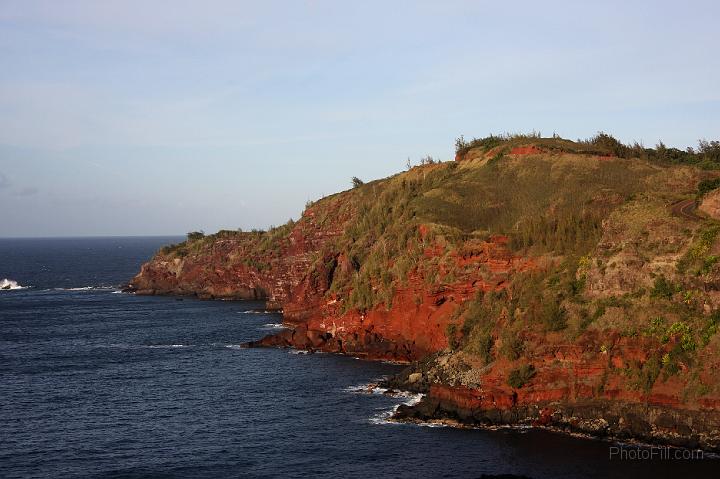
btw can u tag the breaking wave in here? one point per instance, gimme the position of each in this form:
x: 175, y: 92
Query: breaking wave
x: 87, y: 288
x: 142, y: 346
x: 273, y: 326
x: 9, y: 284
x: 261, y: 311
x: 384, y: 416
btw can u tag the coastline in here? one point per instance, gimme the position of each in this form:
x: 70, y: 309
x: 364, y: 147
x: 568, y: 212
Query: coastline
x: 600, y: 319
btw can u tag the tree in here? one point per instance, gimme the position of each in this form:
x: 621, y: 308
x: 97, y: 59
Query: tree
x: 357, y: 182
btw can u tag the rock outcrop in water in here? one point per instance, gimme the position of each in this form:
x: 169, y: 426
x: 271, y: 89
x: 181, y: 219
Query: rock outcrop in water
x: 531, y: 281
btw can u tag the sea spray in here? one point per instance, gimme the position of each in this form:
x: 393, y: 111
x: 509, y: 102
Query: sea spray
x: 9, y: 284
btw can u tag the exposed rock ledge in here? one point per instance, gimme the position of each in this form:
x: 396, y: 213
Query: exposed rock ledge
x: 616, y: 420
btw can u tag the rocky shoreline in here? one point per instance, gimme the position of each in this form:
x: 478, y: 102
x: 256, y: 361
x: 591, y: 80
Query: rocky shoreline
x: 601, y: 419
x: 615, y: 421
x: 610, y: 420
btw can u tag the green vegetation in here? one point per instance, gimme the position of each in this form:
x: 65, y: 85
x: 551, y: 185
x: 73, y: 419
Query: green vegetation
x: 662, y: 288
x: 512, y: 345
x: 534, y: 301
x: 698, y: 259
x: 553, y: 316
x: 451, y: 333
x: 649, y: 373
x: 706, y: 186
x: 489, y: 142
x: 680, y: 340
x: 706, y: 155
x: 521, y: 376
x: 195, y: 235
x: 357, y: 182
x: 257, y: 243
x: 480, y: 318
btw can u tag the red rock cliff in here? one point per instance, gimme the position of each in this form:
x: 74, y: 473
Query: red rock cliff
x: 539, y: 283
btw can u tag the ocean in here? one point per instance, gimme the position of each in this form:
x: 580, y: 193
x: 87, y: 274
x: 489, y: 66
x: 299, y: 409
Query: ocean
x: 99, y: 383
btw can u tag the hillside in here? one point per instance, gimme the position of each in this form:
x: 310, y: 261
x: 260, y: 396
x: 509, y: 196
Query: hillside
x: 535, y: 280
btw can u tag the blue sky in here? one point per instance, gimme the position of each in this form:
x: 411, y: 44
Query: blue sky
x: 161, y: 117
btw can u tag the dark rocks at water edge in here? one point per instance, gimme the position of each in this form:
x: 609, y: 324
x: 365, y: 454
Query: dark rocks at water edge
x: 597, y: 419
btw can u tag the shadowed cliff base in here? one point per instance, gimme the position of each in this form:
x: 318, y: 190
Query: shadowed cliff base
x: 532, y: 274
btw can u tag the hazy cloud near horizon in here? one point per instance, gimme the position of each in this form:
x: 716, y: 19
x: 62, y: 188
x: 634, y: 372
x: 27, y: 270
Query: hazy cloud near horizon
x: 160, y: 117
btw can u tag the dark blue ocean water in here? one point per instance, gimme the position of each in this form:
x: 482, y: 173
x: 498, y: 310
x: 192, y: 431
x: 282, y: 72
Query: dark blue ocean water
x: 96, y: 383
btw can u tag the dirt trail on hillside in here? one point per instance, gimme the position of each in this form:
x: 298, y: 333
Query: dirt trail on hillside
x: 685, y: 209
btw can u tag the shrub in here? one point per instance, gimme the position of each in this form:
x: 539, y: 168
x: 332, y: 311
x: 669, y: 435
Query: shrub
x: 710, y: 329
x: 520, y: 376
x: 649, y: 373
x: 587, y: 320
x: 554, y: 317
x: 662, y: 288
x: 169, y: 249
x: 195, y: 235
x: 512, y: 346
x: 682, y: 330
x: 356, y: 182
x: 451, y: 332
x: 696, y: 259
x: 482, y: 346
x: 707, y: 186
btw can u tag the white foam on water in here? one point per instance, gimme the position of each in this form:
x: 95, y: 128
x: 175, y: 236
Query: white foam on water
x: 76, y: 289
x: 9, y: 285
x: 87, y: 288
x: 385, y: 416
x: 274, y: 326
x: 261, y: 311
x: 364, y: 389
x: 168, y: 346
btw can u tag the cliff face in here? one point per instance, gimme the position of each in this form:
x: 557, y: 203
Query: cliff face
x: 537, y: 282
x: 235, y: 265
x: 296, y: 278
x: 413, y: 326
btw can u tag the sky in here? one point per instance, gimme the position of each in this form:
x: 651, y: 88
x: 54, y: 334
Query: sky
x: 162, y: 117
